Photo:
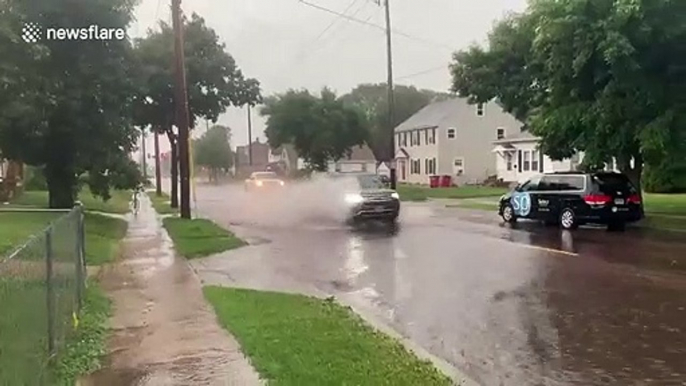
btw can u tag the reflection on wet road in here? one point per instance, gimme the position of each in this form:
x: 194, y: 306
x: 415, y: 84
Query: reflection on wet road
x: 525, y: 306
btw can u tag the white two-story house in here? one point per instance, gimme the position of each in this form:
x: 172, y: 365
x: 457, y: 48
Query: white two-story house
x: 451, y: 138
x: 518, y: 158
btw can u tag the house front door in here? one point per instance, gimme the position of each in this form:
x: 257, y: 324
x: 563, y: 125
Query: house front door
x: 403, y: 170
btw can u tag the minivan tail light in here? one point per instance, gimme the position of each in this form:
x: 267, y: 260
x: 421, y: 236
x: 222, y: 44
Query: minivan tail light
x: 634, y: 199
x: 597, y: 199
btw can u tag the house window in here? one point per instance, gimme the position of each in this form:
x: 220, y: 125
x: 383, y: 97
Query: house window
x: 419, y: 137
x: 433, y: 136
x: 508, y: 160
x: 426, y: 136
x: 399, y: 140
x: 480, y: 109
x: 500, y: 133
x: 534, y: 160
x: 431, y: 166
x: 527, y: 161
x: 405, y: 138
x: 451, y: 133
x: 458, y: 166
x: 415, y: 166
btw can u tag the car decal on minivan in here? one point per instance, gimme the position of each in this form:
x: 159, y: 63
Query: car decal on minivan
x: 521, y: 203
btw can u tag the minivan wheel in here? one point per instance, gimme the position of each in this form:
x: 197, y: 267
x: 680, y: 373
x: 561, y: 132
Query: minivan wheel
x: 568, y: 219
x: 508, y: 214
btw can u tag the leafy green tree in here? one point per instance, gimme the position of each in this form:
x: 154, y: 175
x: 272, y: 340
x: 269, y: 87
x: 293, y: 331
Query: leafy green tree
x: 321, y: 128
x: 372, y: 100
x: 213, y: 150
x: 66, y: 105
x: 604, y: 77
x: 214, y: 81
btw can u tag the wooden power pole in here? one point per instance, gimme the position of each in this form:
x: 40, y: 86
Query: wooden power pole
x: 181, y: 105
x: 391, y: 97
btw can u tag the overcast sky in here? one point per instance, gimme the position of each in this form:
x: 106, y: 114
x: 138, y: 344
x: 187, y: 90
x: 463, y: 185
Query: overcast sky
x: 283, y: 43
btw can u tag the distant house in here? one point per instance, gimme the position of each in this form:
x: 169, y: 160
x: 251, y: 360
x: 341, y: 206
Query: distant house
x: 260, y: 158
x: 518, y: 157
x: 451, y: 137
x: 361, y: 159
x: 286, y: 158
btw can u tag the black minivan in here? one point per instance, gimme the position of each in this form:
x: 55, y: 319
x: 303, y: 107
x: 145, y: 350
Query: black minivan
x: 571, y: 199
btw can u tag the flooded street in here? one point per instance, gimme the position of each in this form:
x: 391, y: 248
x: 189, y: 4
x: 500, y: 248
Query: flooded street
x: 519, y: 306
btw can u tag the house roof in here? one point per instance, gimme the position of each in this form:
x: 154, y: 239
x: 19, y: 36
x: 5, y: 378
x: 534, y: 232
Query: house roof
x: 361, y: 153
x: 431, y: 115
x: 520, y: 136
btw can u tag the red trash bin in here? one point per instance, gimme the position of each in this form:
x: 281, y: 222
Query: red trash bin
x: 434, y: 181
x: 446, y: 181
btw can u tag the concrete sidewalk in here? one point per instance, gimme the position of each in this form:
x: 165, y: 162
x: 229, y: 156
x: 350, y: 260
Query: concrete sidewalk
x: 164, y: 333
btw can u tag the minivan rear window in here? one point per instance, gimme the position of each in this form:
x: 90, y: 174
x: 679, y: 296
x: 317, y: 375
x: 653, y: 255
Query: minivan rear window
x: 613, y: 181
x: 552, y: 183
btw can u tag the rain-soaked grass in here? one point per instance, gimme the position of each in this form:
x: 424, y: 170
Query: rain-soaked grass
x: 17, y: 227
x: 200, y: 237
x: 298, y: 340
x: 422, y: 193
x: 162, y: 204
x: 102, y: 237
x: 119, y: 203
x: 102, y: 233
x: 85, y: 350
x: 670, y: 204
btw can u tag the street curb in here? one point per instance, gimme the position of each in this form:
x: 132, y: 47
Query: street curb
x: 457, y: 376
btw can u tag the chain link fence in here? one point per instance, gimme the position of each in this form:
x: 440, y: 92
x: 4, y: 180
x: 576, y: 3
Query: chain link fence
x: 41, y: 293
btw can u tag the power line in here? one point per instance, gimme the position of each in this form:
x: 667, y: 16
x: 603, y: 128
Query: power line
x: 381, y: 28
x: 304, y: 55
x: 334, y: 21
x: 430, y: 70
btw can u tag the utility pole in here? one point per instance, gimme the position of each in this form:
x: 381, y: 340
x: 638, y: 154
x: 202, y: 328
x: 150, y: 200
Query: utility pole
x: 145, y: 156
x: 158, y: 171
x: 391, y: 98
x: 249, y: 137
x: 182, y: 121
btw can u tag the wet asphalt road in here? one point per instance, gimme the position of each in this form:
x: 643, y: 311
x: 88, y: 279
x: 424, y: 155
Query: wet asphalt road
x: 519, y: 306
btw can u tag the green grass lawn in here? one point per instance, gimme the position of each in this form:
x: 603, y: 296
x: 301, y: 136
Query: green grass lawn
x: 422, y: 193
x: 162, y: 203
x: 102, y: 237
x: 23, y: 334
x: 83, y: 353
x: 118, y: 203
x: 102, y: 233
x: 294, y: 340
x: 17, y: 227
x: 671, y: 204
x: 200, y: 237
x: 23, y: 319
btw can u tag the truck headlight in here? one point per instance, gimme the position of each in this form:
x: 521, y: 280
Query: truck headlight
x: 353, y: 199
x: 395, y: 195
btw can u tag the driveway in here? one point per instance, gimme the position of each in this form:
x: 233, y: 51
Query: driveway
x: 508, y: 306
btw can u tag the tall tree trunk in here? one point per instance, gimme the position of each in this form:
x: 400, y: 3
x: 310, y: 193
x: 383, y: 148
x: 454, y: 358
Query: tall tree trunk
x: 634, y: 174
x: 158, y: 169
x: 173, y: 143
x: 62, y: 185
